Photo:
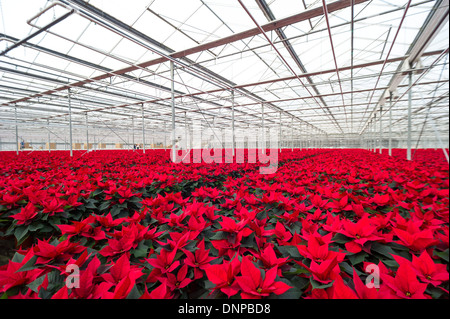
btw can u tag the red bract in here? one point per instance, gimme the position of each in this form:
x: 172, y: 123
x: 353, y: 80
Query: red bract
x: 179, y: 281
x: 163, y: 263
x: 381, y: 200
x: 223, y: 276
x: 199, y: 260
x: 26, y: 214
x: 362, y: 290
x: 48, y: 253
x: 361, y: 232
x: 254, y: 286
x: 122, y: 269
x: 53, y: 205
x: 405, y: 284
x: 269, y: 258
x: 161, y: 292
x: 84, y: 229
x: 340, y: 290
x: 325, y: 271
x: 416, y: 241
x: 426, y: 269
x: 318, y: 252
x: 10, y: 276
x: 88, y: 289
x: 340, y: 205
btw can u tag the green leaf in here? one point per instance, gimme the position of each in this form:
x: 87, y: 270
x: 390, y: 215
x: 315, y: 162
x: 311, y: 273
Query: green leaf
x: 18, y: 258
x: 299, y: 282
x: 435, y: 292
x: 29, y: 265
x: 219, y: 236
x: 319, y: 285
x: 35, y: 284
x: 442, y: 254
x: 21, y: 233
x: 98, y: 191
x: 115, y: 210
x: 357, y: 258
x: 45, y: 294
x: 349, y: 269
x: 341, y: 239
x: 104, y: 205
x: 297, y: 271
x: 382, y: 249
x: 141, y: 250
x: 35, y: 227
x: 391, y: 263
x: 134, y: 293
x: 291, y: 251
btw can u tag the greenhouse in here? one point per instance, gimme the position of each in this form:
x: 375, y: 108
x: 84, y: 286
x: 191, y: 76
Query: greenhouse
x: 224, y: 149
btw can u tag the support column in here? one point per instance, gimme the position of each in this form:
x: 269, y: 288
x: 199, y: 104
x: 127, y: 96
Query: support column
x: 87, y: 132
x: 185, y: 131
x: 132, y: 131
x: 408, y: 151
x: 390, y: 125
x: 375, y: 133
x: 17, y: 130
x: 279, y: 139
x: 301, y: 135
x: 48, y: 134
x: 233, y: 125
x: 263, y: 148
x: 165, y: 136
x: 292, y: 134
x: 381, y: 130
x: 143, y: 128
x: 172, y: 86
x: 70, y: 124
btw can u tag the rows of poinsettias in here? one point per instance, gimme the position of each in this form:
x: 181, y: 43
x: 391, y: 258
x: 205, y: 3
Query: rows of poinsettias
x: 141, y: 227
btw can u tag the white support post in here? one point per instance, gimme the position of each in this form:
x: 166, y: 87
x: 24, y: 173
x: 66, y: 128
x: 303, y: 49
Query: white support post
x: 292, y: 135
x: 17, y: 130
x: 70, y: 124
x: 279, y: 139
x: 48, y: 134
x: 263, y: 146
x: 132, y: 132
x: 301, y: 136
x: 408, y: 151
x: 172, y: 86
x: 165, y: 136
x: 375, y: 133
x: 143, y: 128
x: 390, y: 125
x: 87, y: 132
x: 233, y: 125
x: 185, y: 131
x: 381, y: 130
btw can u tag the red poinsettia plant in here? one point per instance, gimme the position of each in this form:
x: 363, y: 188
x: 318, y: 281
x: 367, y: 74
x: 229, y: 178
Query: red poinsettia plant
x: 332, y: 224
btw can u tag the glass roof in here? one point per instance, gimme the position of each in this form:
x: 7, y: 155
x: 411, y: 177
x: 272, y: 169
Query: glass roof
x: 324, y: 72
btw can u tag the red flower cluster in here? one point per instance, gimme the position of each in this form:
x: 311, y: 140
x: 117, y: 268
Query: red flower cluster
x: 122, y: 224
